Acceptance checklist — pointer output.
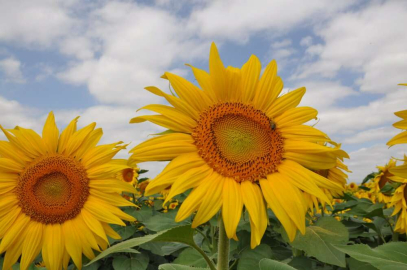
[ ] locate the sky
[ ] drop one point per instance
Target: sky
(94, 58)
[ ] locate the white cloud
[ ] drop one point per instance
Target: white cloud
(281, 44)
(375, 134)
(364, 161)
(237, 20)
(26, 22)
(11, 69)
(137, 44)
(306, 41)
(376, 113)
(370, 40)
(321, 95)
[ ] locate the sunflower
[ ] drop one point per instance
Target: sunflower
(402, 137)
(58, 194)
(337, 175)
(399, 201)
(130, 174)
(236, 143)
(383, 177)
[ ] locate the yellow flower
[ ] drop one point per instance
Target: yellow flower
(58, 194)
(238, 142)
(399, 200)
(353, 187)
(129, 175)
(380, 180)
(402, 137)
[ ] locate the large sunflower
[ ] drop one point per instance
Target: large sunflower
(235, 142)
(58, 194)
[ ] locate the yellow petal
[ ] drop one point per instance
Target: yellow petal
(290, 198)
(398, 139)
(268, 88)
(8, 165)
(303, 133)
(179, 104)
(253, 201)
(233, 81)
(189, 179)
(54, 246)
(102, 214)
(315, 161)
(50, 134)
(77, 139)
(285, 102)
(89, 143)
(296, 116)
(400, 171)
(7, 150)
(204, 80)
(162, 121)
(232, 206)
(274, 204)
(173, 170)
(93, 224)
(250, 77)
(217, 73)
(189, 92)
(172, 114)
(66, 135)
(401, 114)
(19, 225)
(165, 147)
(32, 243)
(194, 199)
(212, 201)
(301, 179)
(73, 243)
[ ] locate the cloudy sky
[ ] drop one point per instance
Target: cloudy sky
(94, 58)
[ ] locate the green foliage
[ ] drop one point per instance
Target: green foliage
(251, 258)
(267, 264)
(319, 239)
(391, 256)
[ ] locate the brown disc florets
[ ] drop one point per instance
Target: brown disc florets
(238, 141)
(53, 189)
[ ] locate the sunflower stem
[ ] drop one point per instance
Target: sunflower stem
(223, 246)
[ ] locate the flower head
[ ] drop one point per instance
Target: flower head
(58, 194)
(237, 141)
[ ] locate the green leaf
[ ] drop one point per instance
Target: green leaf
(318, 240)
(267, 264)
(168, 266)
(190, 257)
(250, 258)
(139, 262)
(301, 263)
(369, 176)
(357, 265)
(163, 221)
(182, 234)
(162, 248)
(124, 231)
(390, 256)
(365, 208)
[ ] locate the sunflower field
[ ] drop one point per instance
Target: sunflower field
(249, 185)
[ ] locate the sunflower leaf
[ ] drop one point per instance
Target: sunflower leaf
(390, 256)
(180, 234)
(318, 241)
(267, 264)
(169, 266)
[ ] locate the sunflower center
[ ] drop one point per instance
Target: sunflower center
(128, 175)
(385, 178)
(53, 189)
(238, 141)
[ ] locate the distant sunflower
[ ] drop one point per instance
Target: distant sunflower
(130, 174)
(235, 143)
(58, 194)
(383, 177)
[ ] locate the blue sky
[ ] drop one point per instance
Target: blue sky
(93, 58)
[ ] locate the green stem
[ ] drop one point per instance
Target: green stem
(205, 237)
(395, 237)
(207, 259)
(223, 246)
(213, 239)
